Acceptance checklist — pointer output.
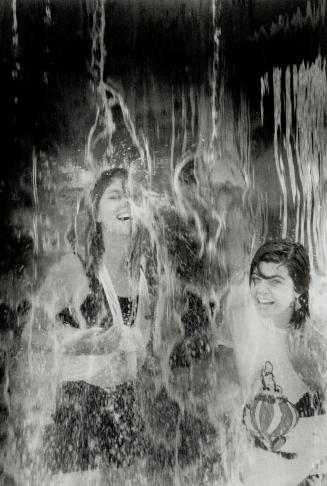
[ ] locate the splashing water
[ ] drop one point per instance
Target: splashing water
(300, 154)
(15, 49)
(109, 96)
(196, 229)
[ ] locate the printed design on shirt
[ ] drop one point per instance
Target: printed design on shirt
(270, 416)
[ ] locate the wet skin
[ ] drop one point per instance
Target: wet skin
(114, 209)
(273, 292)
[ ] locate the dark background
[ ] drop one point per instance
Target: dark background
(153, 49)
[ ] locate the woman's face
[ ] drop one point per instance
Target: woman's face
(272, 290)
(114, 209)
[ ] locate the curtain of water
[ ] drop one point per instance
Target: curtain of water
(15, 44)
(217, 87)
(300, 153)
(108, 96)
(47, 22)
(203, 240)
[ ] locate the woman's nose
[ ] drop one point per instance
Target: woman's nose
(124, 201)
(125, 205)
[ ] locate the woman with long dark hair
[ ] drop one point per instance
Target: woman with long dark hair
(98, 304)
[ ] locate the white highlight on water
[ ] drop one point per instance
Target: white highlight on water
(301, 154)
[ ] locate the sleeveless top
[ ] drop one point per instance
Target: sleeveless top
(91, 426)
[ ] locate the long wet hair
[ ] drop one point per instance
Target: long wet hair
(95, 244)
(296, 259)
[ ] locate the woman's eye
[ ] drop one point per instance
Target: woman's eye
(275, 282)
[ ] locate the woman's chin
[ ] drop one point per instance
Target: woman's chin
(122, 229)
(265, 310)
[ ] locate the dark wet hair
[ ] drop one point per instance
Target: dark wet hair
(94, 250)
(296, 259)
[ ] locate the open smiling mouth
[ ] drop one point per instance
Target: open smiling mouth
(264, 302)
(124, 217)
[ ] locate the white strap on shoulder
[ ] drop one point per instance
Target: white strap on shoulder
(143, 301)
(111, 296)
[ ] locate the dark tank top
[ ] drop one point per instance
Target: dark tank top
(95, 308)
(93, 427)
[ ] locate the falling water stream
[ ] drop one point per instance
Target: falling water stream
(196, 191)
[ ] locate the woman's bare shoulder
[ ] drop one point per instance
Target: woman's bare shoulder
(69, 267)
(65, 276)
(69, 262)
(308, 349)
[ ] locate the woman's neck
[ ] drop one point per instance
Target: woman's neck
(282, 320)
(115, 258)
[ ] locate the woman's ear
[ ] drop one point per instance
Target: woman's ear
(98, 216)
(297, 304)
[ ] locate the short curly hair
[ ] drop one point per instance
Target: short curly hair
(296, 259)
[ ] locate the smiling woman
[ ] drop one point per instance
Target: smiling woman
(273, 293)
(279, 282)
(110, 234)
(91, 330)
(114, 209)
(281, 367)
